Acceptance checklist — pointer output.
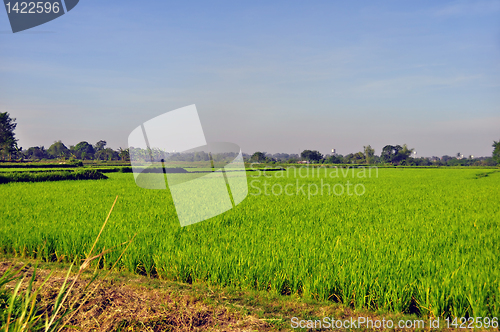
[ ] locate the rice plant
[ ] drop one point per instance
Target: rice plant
(423, 241)
(19, 309)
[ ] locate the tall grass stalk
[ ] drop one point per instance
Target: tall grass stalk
(21, 312)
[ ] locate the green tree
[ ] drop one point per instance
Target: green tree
(334, 159)
(83, 150)
(8, 142)
(369, 154)
(348, 159)
(201, 156)
(388, 153)
(259, 157)
(496, 151)
(446, 158)
(58, 150)
(125, 154)
(395, 154)
(36, 152)
(313, 156)
(106, 154)
(101, 145)
(403, 154)
(354, 158)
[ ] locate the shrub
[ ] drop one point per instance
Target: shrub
(51, 176)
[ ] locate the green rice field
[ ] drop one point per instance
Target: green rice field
(423, 241)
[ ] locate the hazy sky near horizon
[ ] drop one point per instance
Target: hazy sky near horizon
(274, 76)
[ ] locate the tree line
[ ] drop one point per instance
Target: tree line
(390, 154)
(80, 151)
(10, 151)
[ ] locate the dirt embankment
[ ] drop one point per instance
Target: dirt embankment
(131, 303)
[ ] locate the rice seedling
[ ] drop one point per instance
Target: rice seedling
(19, 310)
(421, 241)
(50, 176)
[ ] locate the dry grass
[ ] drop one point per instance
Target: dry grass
(128, 302)
(129, 305)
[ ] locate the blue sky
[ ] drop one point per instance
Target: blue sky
(275, 76)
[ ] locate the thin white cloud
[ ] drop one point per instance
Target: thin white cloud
(395, 86)
(460, 8)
